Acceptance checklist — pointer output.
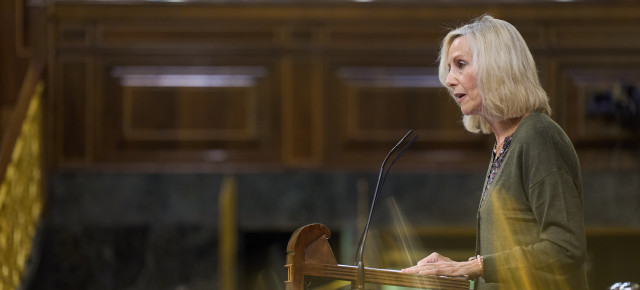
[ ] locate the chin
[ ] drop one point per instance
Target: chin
(467, 113)
(474, 111)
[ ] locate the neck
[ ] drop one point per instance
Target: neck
(502, 129)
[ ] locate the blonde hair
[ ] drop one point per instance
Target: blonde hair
(505, 71)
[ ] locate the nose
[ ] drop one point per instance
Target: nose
(451, 80)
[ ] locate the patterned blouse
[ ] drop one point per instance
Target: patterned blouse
(495, 165)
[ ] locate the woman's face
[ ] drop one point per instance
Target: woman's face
(462, 77)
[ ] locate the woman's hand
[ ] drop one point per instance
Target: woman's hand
(438, 265)
(433, 258)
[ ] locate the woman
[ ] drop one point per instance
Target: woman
(530, 218)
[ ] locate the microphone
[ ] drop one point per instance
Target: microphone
(381, 178)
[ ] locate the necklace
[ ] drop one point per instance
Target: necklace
(500, 141)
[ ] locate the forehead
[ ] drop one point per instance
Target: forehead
(459, 47)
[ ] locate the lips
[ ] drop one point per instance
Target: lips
(459, 96)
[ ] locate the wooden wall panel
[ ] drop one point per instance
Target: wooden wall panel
(372, 107)
(602, 36)
(599, 107)
(181, 113)
(328, 85)
(189, 114)
(380, 102)
(385, 35)
(205, 112)
(582, 79)
(74, 35)
(596, 91)
(157, 35)
(302, 109)
(14, 57)
(73, 113)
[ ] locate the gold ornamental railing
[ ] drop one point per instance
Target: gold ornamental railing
(21, 198)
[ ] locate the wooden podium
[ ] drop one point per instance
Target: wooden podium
(309, 254)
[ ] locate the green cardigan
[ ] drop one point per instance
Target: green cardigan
(531, 223)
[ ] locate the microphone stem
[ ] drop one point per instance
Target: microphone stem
(382, 175)
(360, 254)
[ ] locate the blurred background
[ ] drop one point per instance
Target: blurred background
(178, 144)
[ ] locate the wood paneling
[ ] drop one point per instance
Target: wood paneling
(302, 107)
(72, 87)
(13, 61)
(210, 113)
(313, 85)
(375, 106)
(601, 36)
(159, 35)
(596, 106)
(74, 36)
(188, 103)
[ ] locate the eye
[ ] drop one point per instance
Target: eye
(461, 64)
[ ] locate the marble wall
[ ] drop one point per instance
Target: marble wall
(160, 231)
